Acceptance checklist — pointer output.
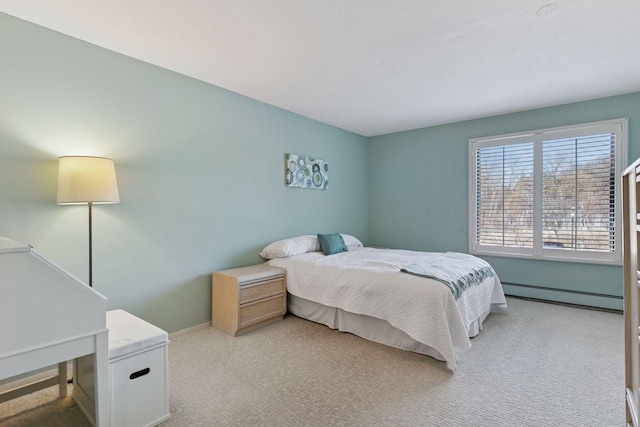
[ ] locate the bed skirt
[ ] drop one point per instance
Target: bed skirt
(368, 327)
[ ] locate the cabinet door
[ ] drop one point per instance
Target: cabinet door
(138, 389)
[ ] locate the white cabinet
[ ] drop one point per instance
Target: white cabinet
(139, 388)
(138, 372)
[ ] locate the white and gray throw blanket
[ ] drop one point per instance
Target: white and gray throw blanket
(457, 270)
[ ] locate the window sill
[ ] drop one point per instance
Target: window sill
(577, 259)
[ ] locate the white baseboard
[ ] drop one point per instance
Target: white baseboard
(188, 330)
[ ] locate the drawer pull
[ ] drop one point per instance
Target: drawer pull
(139, 373)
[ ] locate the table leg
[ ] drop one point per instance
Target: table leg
(100, 369)
(62, 378)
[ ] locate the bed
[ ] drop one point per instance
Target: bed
(363, 291)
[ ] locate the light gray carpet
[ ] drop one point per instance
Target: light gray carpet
(534, 364)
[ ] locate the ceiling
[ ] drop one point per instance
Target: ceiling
(373, 66)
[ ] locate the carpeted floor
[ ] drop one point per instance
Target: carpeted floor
(534, 364)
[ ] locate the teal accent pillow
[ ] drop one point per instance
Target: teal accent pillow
(332, 243)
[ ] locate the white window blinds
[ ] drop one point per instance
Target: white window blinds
(504, 182)
(548, 194)
(579, 186)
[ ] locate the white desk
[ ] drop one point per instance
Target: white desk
(49, 317)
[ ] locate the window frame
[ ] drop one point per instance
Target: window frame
(538, 251)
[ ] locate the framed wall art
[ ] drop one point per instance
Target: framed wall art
(306, 172)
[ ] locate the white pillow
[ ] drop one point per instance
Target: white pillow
(301, 245)
(351, 241)
(290, 247)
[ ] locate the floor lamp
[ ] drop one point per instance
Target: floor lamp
(87, 180)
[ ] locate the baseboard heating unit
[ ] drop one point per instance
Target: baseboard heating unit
(565, 296)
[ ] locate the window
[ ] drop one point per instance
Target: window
(549, 194)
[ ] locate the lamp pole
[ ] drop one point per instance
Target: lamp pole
(90, 248)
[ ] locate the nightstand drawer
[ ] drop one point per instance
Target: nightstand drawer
(261, 290)
(261, 310)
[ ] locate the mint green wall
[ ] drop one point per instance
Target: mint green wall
(201, 174)
(418, 191)
(200, 171)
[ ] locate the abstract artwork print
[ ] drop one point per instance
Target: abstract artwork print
(306, 172)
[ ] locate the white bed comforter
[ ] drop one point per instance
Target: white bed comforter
(368, 281)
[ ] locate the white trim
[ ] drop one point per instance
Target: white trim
(619, 126)
(189, 330)
(623, 120)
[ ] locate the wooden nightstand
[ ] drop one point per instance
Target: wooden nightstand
(247, 298)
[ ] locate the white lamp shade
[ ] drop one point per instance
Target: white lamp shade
(84, 179)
